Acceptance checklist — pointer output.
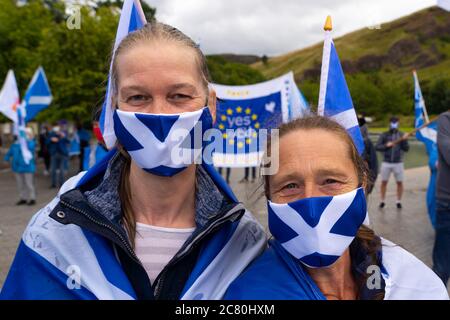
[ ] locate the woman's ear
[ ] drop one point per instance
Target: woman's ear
(212, 103)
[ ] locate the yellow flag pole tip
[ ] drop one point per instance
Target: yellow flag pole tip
(328, 26)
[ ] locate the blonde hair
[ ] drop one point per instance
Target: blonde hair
(151, 32)
(157, 31)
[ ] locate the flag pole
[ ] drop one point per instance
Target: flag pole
(407, 135)
(328, 27)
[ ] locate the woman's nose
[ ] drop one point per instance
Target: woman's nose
(312, 190)
(160, 106)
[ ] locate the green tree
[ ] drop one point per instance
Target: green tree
(232, 73)
(76, 61)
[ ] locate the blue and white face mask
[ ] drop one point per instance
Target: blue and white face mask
(394, 125)
(162, 144)
(318, 230)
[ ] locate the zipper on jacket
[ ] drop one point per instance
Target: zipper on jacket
(160, 279)
(122, 239)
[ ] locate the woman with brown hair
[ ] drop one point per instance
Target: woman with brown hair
(148, 221)
(321, 248)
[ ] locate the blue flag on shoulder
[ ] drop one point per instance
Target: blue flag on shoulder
(334, 98)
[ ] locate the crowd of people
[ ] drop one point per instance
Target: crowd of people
(56, 145)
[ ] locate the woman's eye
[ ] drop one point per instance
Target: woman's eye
(289, 190)
(332, 182)
(137, 98)
(180, 96)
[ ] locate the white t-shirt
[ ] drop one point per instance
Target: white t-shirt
(156, 246)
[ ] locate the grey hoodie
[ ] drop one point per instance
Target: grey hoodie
(443, 142)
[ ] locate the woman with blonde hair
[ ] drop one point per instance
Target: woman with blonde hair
(142, 224)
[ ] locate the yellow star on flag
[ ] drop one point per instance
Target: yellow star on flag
(223, 117)
(238, 109)
(224, 135)
(248, 111)
(254, 135)
(248, 141)
(240, 144)
(257, 125)
(221, 126)
(229, 112)
(254, 116)
(231, 141)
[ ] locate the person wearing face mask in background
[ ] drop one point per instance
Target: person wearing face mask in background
(393, 144)
(23, 171)
(58, 148)
(148, 221)
(322, 247)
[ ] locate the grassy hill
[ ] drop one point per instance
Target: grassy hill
(378, 64)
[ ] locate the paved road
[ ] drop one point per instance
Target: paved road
(409, 227)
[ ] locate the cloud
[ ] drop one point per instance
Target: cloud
(274, 27)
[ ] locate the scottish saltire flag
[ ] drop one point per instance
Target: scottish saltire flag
(334, 98)
(9, 97)
(242, 111)
(38, 95)
(11, 107)
(65, 261)
(317, 230)
(428, 135)
(132, 18)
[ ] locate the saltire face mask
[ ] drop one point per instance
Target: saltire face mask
(318, 230)
(163, 144)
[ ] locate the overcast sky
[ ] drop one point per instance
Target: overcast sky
(274, 27)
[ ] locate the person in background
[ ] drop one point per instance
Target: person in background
(58, 144)
(43, 148)
(227, 173)
(23, 171)
(97, 149)
(84, 137)
(247, 172)
(441, 250)
(369, 155)
(393, 144)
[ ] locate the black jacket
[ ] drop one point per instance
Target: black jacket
(392, 154)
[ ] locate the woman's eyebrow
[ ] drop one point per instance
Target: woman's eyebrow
(183, 86)
(284, 177)
(132, 88)
(332, 172)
